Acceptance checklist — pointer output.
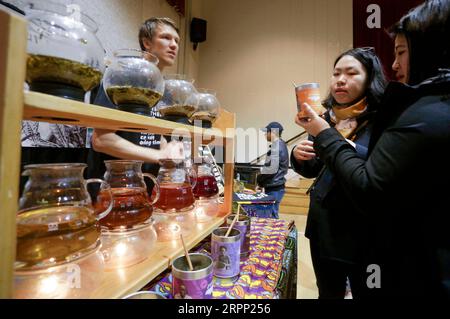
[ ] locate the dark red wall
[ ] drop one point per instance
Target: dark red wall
(391, 12)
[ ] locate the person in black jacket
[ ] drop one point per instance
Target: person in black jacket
(336, 239)
(272, 177)
(402, 187)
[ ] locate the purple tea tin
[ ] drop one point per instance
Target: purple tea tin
(243, 225)
(225, 252)
(196, 284)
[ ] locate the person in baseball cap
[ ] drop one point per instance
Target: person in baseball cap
(273, 126)
(272, 177)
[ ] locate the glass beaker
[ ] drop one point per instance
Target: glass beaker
(56, 222)
(131, 202)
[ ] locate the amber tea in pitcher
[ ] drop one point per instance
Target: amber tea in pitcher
(56, 222)
(131, 203)
(131, 206)
(175, 197)
(55, 234)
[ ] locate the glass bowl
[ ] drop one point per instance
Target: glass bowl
(127, 247)
(77, 279)
(133, 78)
(170, 226)
(65, 57)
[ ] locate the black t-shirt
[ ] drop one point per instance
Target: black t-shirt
(96, 160)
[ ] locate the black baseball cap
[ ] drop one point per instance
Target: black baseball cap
(273, 126)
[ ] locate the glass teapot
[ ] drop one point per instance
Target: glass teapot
(133, 79)
(56, 222)
(208, 108)
(176, 182)
(180, 99)
(65, 57)
(131, 203)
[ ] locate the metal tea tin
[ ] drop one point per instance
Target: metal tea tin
(309, 93)
(243, 225)
(196, 284)
(226, 252)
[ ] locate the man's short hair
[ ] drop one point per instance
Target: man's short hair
(148, 28)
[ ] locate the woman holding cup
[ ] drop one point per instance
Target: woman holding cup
(336, 235)
(402, 186)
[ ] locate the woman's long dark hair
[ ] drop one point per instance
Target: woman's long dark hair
(427, 30)
(376, 79)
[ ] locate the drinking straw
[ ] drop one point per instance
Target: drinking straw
(234, 221)
(295, 85)
(186, 254)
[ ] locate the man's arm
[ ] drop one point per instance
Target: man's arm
(108, 142)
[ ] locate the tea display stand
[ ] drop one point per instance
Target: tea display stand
(17, 105)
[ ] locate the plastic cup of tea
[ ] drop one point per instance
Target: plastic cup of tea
(309, 93)
(243, 224)
(192, 284)
(226, 252)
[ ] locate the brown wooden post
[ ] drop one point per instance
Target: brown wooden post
(13, 40)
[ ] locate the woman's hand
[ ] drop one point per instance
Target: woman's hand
(310, 121)
(304, 151)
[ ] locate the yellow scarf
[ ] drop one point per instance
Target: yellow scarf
(345, 118)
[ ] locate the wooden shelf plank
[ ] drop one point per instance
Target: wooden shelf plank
(47, 108)
(121, 282)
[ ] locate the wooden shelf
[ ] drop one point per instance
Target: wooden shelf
(17, 105)
(47, 108)
(121, 282)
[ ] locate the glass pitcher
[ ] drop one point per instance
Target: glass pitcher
(206, 191)
(176, 182)
(56, 222)
(65, 57)
(133, 79)
(206, 186)
(131, 203)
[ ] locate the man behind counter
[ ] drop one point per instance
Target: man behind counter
(158, 36)
(272, 177)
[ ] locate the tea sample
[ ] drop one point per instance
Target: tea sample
(42, 68)
(131, 207)
(175, 197)
(51, 235)
(203, 116)
(206, 186)
(185, 110)
(120, 95)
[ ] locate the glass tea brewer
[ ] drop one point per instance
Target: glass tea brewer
(128, 233)
(133, 81)
(208, 108)
(134, 84)
(180, 99)
(57, 229)
(65, 57)
(174, 210)
(206, 191)
(131, 203)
